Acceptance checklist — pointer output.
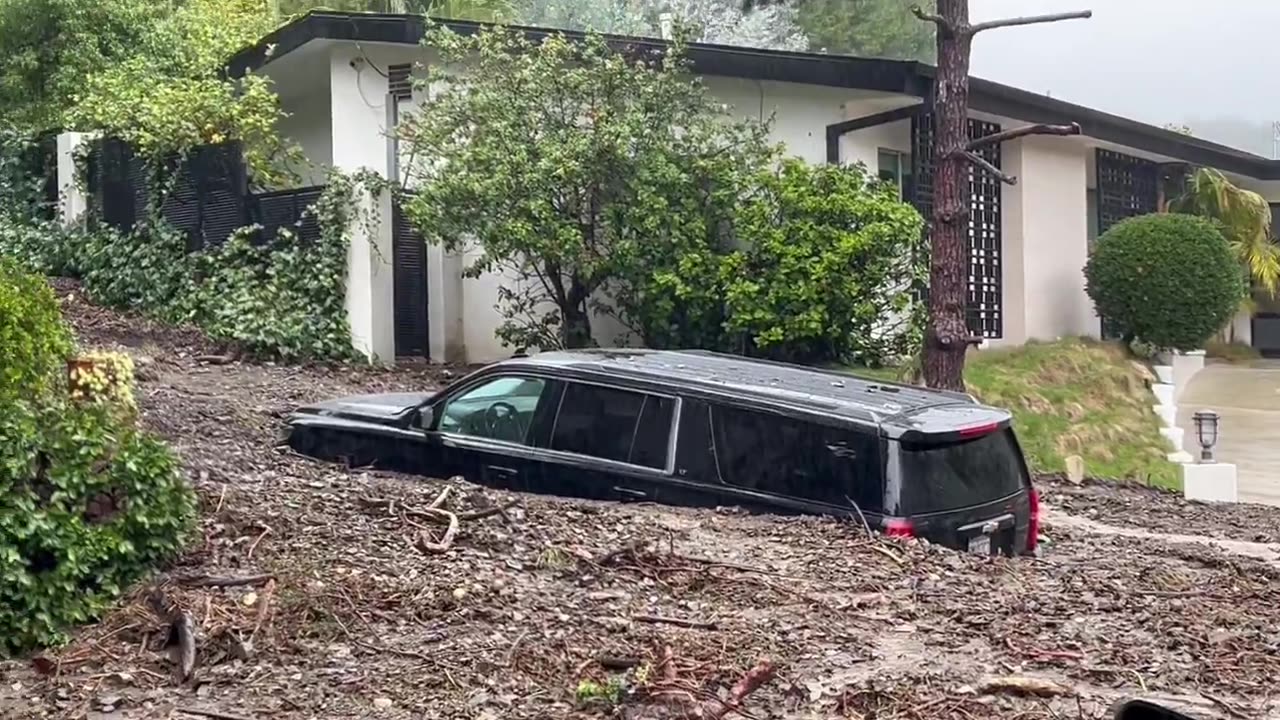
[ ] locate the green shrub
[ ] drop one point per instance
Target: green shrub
(34, 341)
(1170, 280)
(87, 502)
(41, 247)
(86, 507)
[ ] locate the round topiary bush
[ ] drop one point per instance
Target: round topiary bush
(1169, 280)
(88, 503)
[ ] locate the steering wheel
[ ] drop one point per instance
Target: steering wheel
(501, 419)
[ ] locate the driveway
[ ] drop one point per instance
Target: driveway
(1248, 399)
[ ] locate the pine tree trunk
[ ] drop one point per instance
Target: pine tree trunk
(947, 335)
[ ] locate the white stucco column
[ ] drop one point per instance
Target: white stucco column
(358, 106)
(72, 201)
(1046, 240)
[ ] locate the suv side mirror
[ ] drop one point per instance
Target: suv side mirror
(426, 416)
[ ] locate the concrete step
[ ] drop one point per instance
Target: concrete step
(1182, 457)
(1164, 373)
(1168, 414)
(1163, 393)
(1174, 435)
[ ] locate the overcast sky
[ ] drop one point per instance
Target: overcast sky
(1158, 61)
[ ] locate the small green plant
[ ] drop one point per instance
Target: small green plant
(34, 341)
(1170, 280)
(609, 694)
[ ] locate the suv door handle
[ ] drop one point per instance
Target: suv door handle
(630, 494)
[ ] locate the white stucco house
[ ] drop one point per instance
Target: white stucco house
(344, 80)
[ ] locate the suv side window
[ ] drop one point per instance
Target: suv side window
(785, 456)
(501, 409)
(614, 424)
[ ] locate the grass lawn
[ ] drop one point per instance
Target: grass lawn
(1074, 397)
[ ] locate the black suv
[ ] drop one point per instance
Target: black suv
(695, 428)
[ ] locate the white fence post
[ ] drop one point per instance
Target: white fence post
(72, 201)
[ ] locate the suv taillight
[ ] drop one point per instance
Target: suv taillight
(1033, 523)
(899, 527)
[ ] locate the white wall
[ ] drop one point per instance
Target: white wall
(1045, 229)
(800, 113)
(310, 125)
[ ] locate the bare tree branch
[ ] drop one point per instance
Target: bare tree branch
(983, 164)
(942, 23)
(1015, 133)
(1029, 20)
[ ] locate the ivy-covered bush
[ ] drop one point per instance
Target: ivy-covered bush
(88, 503)
(1170, 280)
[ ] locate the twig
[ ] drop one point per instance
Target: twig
(763, 672)
(253, 546)
(1030, 20)
(982, 164)
(942, 23)
(221, 497)
(887, 553)
(488, 512)
(440, 499)
(264, 607)
(395, 651)
(511, 652)
(1015, 133)
(215, 359)
(215, 714)
(618, 663)
(678, 622)
(629, 549)
(1230, 708)
(865, 525)
(424, 539)
(216, 581)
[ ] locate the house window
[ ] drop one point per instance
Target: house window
(895, 169)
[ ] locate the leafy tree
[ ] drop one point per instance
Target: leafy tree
(1246, 222)
(726, 22)
(50, 46)
(868, 28)
(485, 10)
(555, 160)
(1166, 279)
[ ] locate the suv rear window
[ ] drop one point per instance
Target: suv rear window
(951, 476)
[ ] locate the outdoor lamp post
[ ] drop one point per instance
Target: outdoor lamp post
(1206, 433)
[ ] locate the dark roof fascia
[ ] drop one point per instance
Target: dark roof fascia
(894, 76)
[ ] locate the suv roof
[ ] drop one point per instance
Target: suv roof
(823, 391)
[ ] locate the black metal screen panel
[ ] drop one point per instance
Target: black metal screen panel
(984, 309)
(121, 185)
(1127, 187)
(287, 209)
(410, 278)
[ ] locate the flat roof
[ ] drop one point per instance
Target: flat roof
(844, 71)
(828, 392)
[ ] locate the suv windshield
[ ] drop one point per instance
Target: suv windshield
(950, 476)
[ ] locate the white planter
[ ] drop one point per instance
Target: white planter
(1214, 482)
(1164, 373)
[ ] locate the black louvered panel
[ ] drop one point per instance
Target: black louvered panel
(410, 277)
(984, 293)
(117, 175)
(287, 209)
(181, 206)
(221, 182)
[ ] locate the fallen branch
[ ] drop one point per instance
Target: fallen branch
(618, 663)
(223, 582)
(487, 512)
(1230, 708)
(887, 553)
(630, 548)
(763, 672)
(1027, 686)
(215, 714)
(216, 359)
(678, 622)
(439, 501)
(425, 543)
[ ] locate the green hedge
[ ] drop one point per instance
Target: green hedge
(88, 503)
(1169, 280)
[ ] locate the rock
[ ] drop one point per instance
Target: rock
(382, 703)
(1075, 469)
